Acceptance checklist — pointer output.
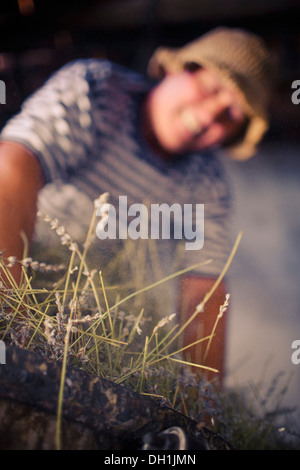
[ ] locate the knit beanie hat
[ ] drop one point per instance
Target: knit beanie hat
(240, 59)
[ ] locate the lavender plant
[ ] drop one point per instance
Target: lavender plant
(78, 319)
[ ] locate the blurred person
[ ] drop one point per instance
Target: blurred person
(101, 127)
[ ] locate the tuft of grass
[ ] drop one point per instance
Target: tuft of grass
(68, 312)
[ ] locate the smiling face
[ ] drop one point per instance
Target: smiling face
(191, 111)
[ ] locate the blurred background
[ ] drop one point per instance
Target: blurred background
(39, 36)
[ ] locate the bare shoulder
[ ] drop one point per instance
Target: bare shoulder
(16, 159)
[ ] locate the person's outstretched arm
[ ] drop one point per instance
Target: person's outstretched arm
(21, 179)
(192, 291)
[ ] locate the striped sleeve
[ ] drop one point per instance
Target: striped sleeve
(55, 122)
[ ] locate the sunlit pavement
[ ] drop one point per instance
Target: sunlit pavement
(264, 277)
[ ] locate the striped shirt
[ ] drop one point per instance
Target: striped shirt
(83, 125)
